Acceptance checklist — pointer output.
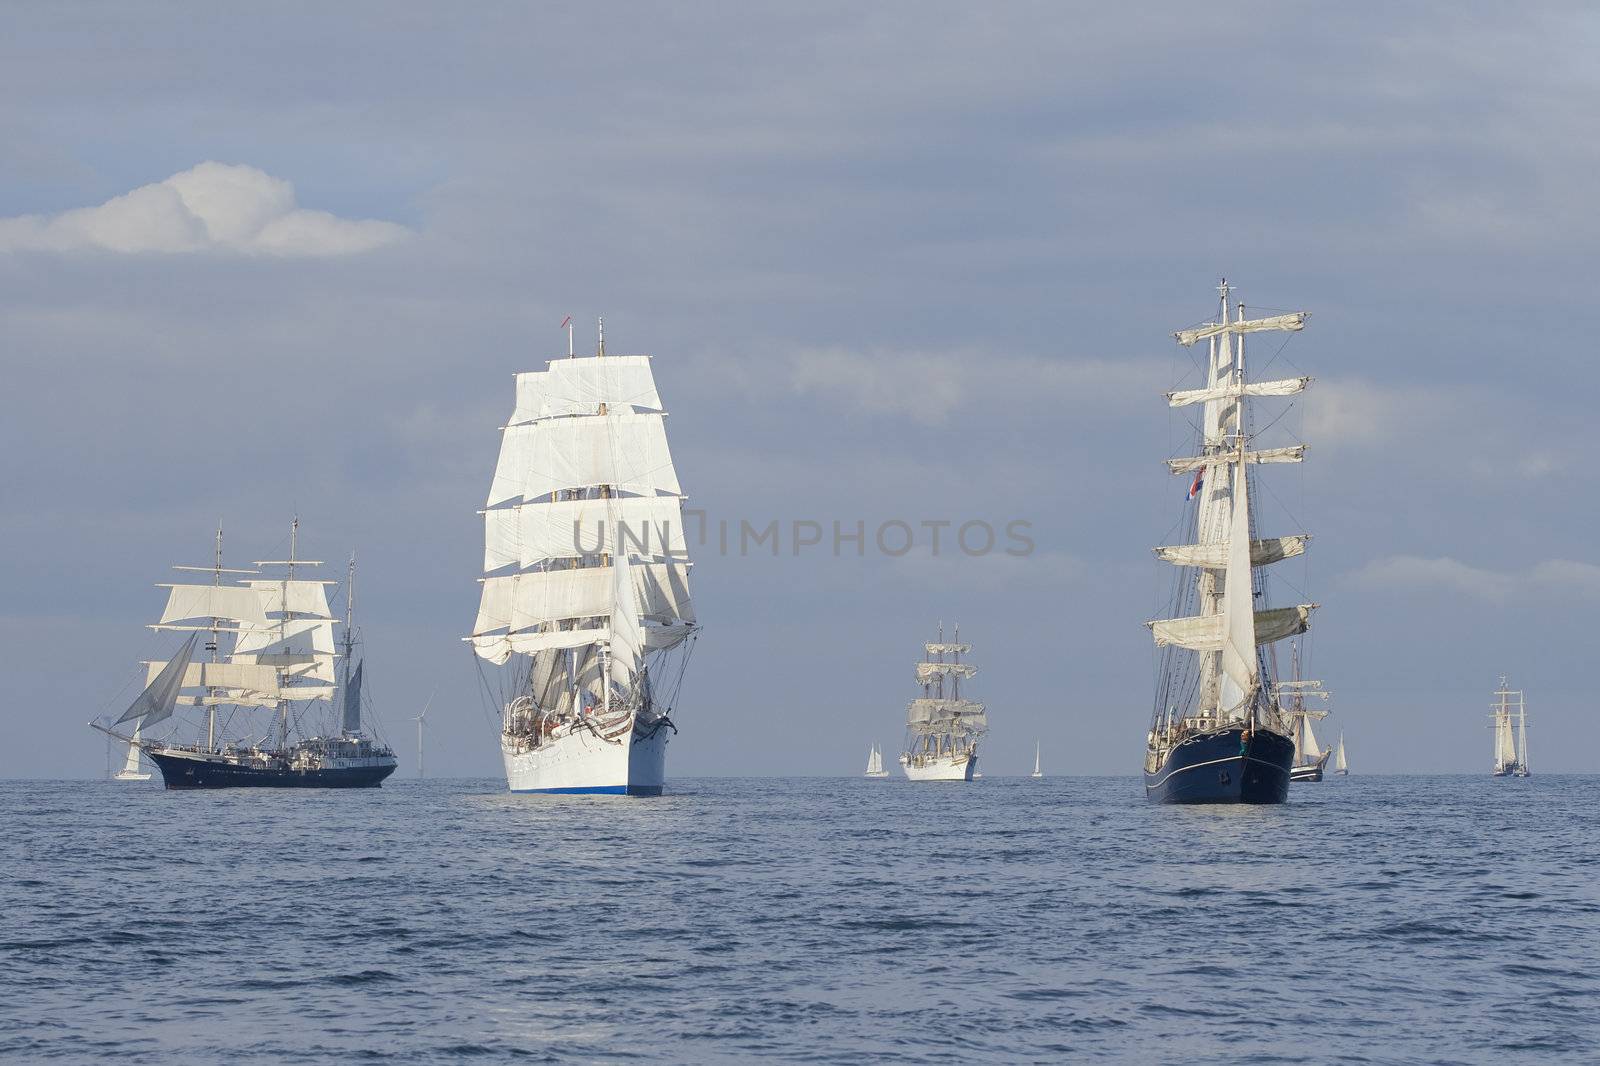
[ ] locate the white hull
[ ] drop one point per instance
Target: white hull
(877, 773)
(940, 767)
(130, 775)
(581, 764)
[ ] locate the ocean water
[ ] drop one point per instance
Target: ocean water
(1373, 919)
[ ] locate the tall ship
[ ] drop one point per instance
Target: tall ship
(585, 614)
(1309, 756)
(1218, 733)
(263, 703)
(1509, 720)
(942, 726)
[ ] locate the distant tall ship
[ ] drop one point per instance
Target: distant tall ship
(1309, 758)
(1217, 733)
(942, 728)
(875, 763)
(585, 596)
(1510, 748)
(279, 659)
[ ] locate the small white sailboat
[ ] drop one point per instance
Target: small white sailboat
(1340, 767)
(132, 770)
(1036, 771)
(875, 763)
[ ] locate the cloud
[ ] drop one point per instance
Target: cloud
(213, 207)
(929, 387)
(1552, 576)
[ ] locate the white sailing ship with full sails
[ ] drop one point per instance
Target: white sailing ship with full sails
(942, 727)
(1509, 719)
(875, 763)
(585, 596)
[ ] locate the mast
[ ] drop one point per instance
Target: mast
(1226, 631)
(349, 645)
(211, 646)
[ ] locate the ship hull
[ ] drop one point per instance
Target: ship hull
(941, 768)
(189, 770)
(582, 764)
(1311, 771)
(1218, 767)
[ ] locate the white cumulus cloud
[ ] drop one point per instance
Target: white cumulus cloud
(208, 208)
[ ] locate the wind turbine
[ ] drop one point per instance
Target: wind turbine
(421, 720)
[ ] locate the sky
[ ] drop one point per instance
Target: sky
(894, 262)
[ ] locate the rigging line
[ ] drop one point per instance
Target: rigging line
(1275, 421)
(1281, 346)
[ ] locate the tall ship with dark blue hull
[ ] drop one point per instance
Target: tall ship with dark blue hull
(1228, 765)
(271, 704)
(186, 769)
(1218, 732)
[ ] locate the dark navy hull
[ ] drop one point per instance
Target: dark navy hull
(1218, 767)
(181, 771)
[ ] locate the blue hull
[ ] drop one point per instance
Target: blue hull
(178, 772)
(1217, 767)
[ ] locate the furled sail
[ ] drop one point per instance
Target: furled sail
(1292, 322)
(1215, 556)
(927, 672)
(1282, 387)
(946, 648)
(1293, 454)
(160, 695)
(1205, 633)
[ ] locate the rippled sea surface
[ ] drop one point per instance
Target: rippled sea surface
(1379, 919)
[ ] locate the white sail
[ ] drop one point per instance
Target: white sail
(160, 694)
(252, 677)
(1307, 745)
(305, 598)
(1290, 322)
(1037, 772)
(301, 647)
(1293, 454)
(626, 648)
(927, 672)
(579, 386)
(1238, 600)
(1283, 387)
(1205, 632)
(522, 602)
(627, 452)
(130, 768)
(528, 534)
(1338, 756)
(240, 603)
(1215, 556)
(946, 648)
